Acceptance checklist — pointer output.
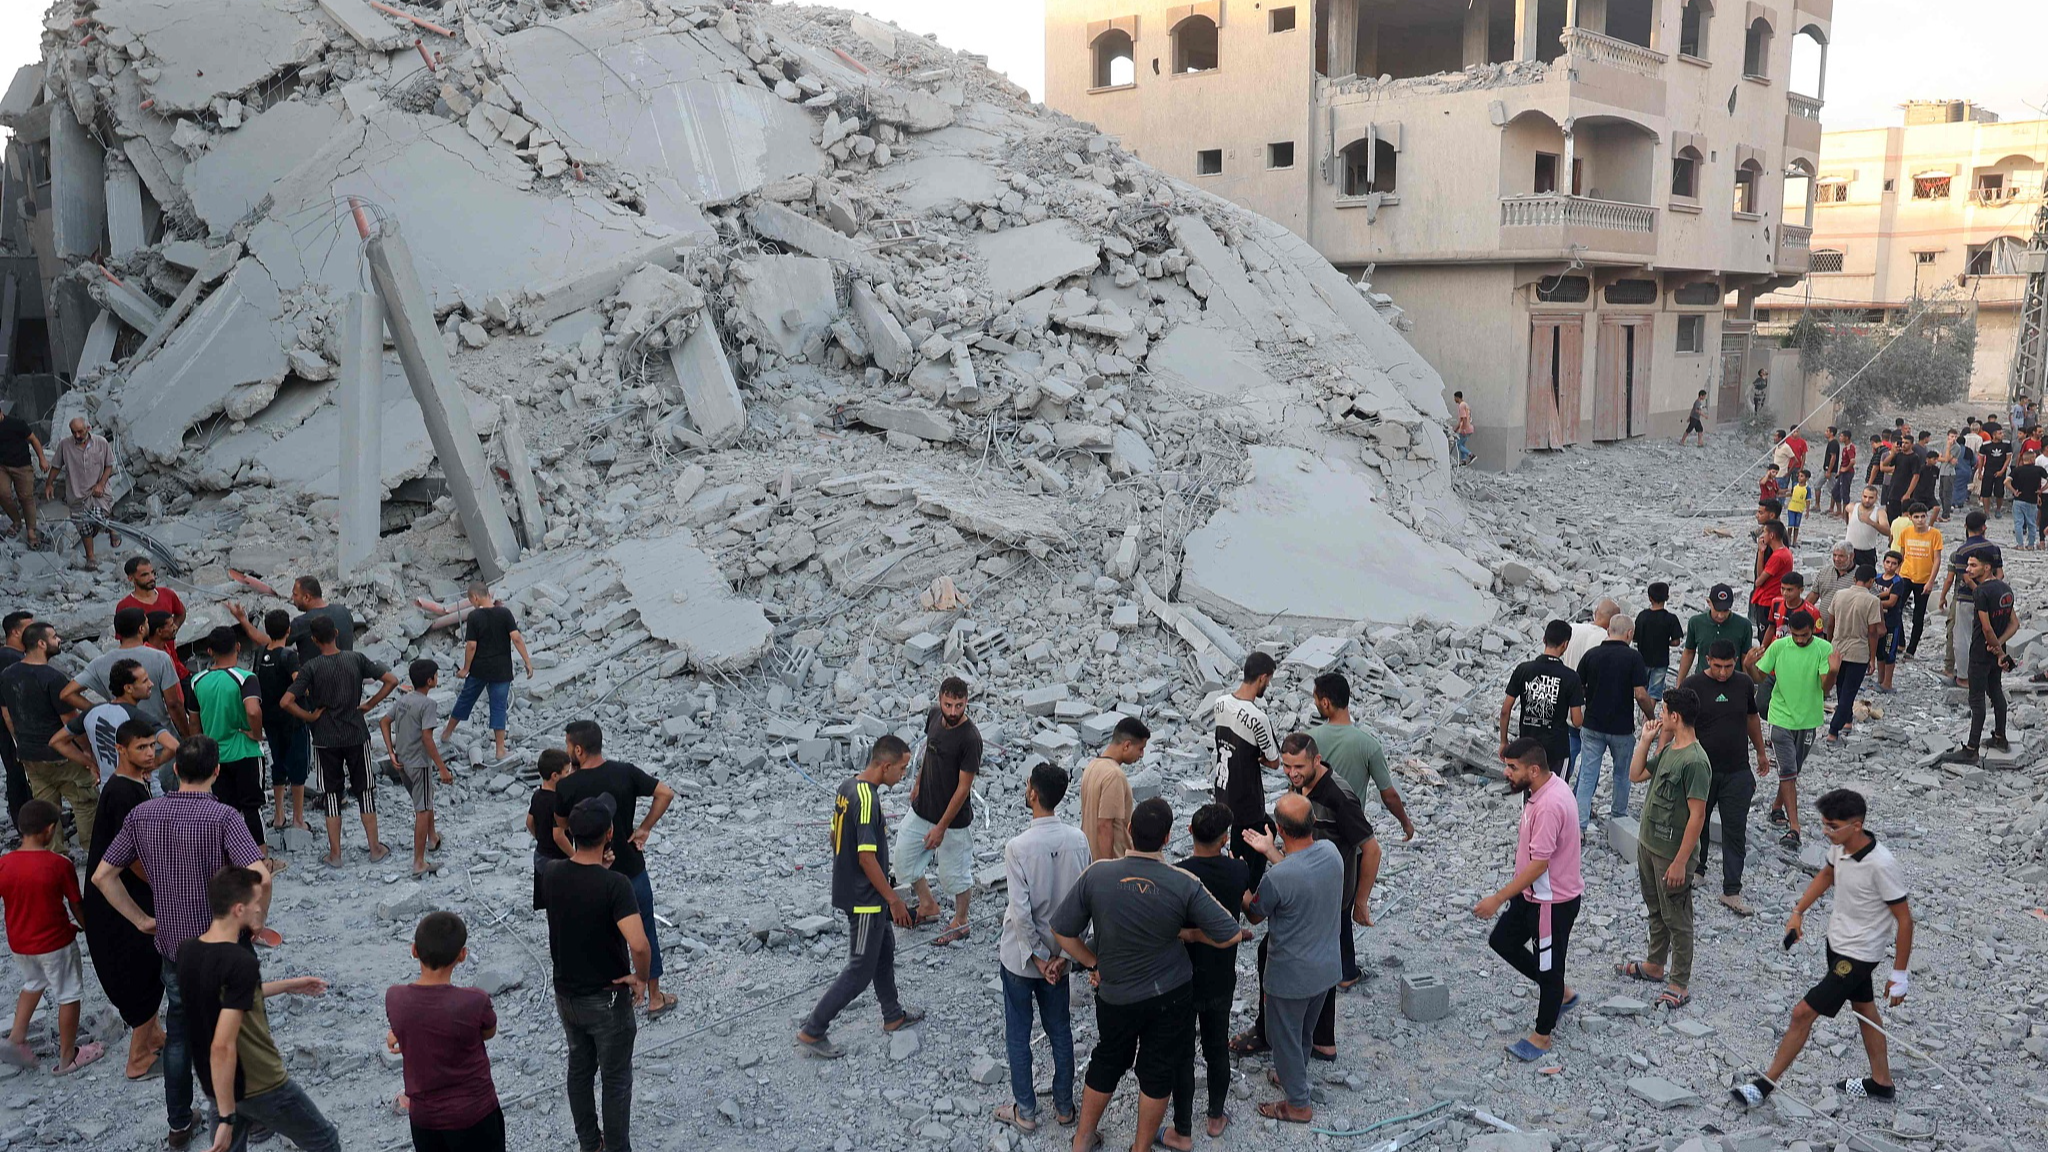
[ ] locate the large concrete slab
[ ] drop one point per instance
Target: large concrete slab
(227, 357)
(929, 181)
(795, 230)
(1020, 261)
(1306, 540)
(789, 299)
(78, 188)
(21, 93)
(1229, 295)
(620, 90)
(683, 598)
(365, 24)
(474, 229)
(887, 342)
(234, 175)
(218, 48)
(126, 232)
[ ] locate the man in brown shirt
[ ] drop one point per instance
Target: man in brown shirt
(1106, 799)
(87, 462)
(1855, 625)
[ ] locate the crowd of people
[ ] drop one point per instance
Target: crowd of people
(151, 776)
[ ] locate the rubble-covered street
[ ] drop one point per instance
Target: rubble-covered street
(776, 363)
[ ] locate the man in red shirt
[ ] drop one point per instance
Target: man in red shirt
(1797, 443)
(1773, 561)
(146, 595)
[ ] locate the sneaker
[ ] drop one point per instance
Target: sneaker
(1962, 755)
(1864, 1088)
(1736, 904)
(823, 1048)
(1998, 744)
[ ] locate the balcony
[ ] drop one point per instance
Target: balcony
(1802, 126)
(1586, 44)
(1999, 197)
(1552, 223)
(1806, 106)
(1795, 245)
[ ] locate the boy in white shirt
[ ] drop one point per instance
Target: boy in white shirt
(1870, 908)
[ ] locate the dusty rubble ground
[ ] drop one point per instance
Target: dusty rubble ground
(736, 868)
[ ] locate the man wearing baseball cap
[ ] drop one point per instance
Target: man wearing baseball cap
(1718, 622)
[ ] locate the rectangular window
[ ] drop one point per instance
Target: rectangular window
(1825, 260)
(1280, 155)
(1930, 187)
(1209, 162)
(1546, 172)
(1924, 257)
(1832, 191)
(1692, 333)
(1280, 20)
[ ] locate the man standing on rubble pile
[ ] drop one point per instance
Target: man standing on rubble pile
(1616, 684)
(328, 698)
(1354, 753)
(863, 892)
(87, 462)
(1106, 797)
(490, 635)
(1542, 899)
(1301, 900)
(1245, 748)
(625, 784)
(1718, 622)
(1552, 699)
(938, 833)
(17, 475)
(1730, 723)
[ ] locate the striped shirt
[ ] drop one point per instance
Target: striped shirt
(181, 839)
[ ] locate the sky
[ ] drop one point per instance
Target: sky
(1885, 51)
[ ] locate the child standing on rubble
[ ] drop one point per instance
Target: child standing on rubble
(1796, 502)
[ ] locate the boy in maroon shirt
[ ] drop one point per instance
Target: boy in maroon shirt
(37, 885)
(440, 1030)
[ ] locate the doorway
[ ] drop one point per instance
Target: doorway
(1621, 378)
(1556, 344)
(1734, 354)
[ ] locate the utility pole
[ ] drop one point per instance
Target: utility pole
(2030, 353)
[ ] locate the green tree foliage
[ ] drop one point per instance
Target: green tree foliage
(1920, 357)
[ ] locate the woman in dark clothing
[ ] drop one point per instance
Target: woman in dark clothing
(126, 960)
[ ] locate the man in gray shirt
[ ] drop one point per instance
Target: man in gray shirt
(1144, 1007)
(1301, 899)
(165, 703)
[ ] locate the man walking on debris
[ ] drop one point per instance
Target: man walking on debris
(864, 894)
(1215, 983)
(1106, 798)
(1354, 754)
(1870, 906)
(1552, 699)
(600, 956)
(1040, 864)
(1301, 900)
(1245, 748)
(1718, 622)
(1542, 898)
(625, 784)
(1804, 667)
(938, 834)
(1674, 824)
(328, 698)
(1696, 421)
(1728, 726)
(1616, 684)
(1855, 628)
(489, 636)
(1962, 605)
(1989, 661)
(1140, 908)
(87, 462)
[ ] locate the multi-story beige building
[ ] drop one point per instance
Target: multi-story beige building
(1947, 200)
(1560, 193)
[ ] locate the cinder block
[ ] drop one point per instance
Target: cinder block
(1041, 700)
(1425, 998)
(923, 647)
(1621, 835)
(1097, 728)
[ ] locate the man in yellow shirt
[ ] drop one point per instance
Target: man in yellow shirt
(1920, 544)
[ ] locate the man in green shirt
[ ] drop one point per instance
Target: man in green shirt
(1353, 752)
(1806, 667)
(1718, 622)
(1679, 775)
(230, 705)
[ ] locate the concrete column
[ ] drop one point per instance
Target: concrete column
(1812, 187)
(359, 392)
(1343, 46)
(1477, 17)
(1822, 83)
(533, 517)
(126, 232)
(1564, 178)
(410, 314)
(1527, 12)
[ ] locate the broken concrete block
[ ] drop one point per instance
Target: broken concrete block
(924, 424)
(363, 24)
(711, 395)
(909, 109)
(888, 344)
(1096, 729)
(806, 235)
(1318, 654)
(789, 299)
(1622, 836)
(1662, 1093)
(1020, 261)
(1424, 997)
(235, 339)
(683, 598)
(878, 35)
(1040, 701)
(924, 647)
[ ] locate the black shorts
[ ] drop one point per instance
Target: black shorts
(1847, 982)
(1990, 486)
(1157, 1034)
(1692, 424)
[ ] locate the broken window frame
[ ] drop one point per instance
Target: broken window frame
(1378, 175)
(1181, 50)
(1697, 323)
(1701, 14)
(1933, 186)
(1998, 256)
(1102, 64)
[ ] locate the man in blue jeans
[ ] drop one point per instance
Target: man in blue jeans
(1615, 678)
(601, 959)
(489, 637)
(624, 784)
(1041, 863)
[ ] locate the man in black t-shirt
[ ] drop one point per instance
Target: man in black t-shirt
(291, 745)
(1227, 879)
(601, 960)
(624, 784)
(1658, 630)
(1996, 623)
(1552, 699)
(1992, 461)
(312, 605)
(2024, 480)
(1729, 725)
(17, 477)
(938, 833)
(862, 891)
(489, 636)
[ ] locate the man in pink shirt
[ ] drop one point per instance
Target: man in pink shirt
(1542, 899)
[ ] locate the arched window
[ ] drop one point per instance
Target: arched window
(1194, 45)
(1809, 62)
(1692, 28)
(1115, 61)
(1685, 173)
(1747, 177)
(1756, 49)
(1380, 176)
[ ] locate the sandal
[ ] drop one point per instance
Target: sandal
(1218, 1133)
(1007, 1114)
(951, 936)
(662, 1007)
(1674, 1000)
(1277, 1110)
(911, 1016)
(1248, 1044)
(86, 1054)
(1069, 1120)
(1633, 969)
(379, 853)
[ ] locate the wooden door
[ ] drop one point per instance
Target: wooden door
(1728, 405)
(1621, 378)
(1555, 361)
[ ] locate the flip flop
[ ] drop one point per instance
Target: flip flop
(1574, 1002)
(1633, 969)
(1246, 1044)
(1069, 1120)
(1271, 1110)
(910, 1017)
(18, 1055)
(1007, 1114)
(1526, 1052)
(951, 936)
(1226, 1126)
(668, 1003)
(380, 853)
(86, 1054)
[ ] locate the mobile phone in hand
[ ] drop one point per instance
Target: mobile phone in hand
(1791, 938)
